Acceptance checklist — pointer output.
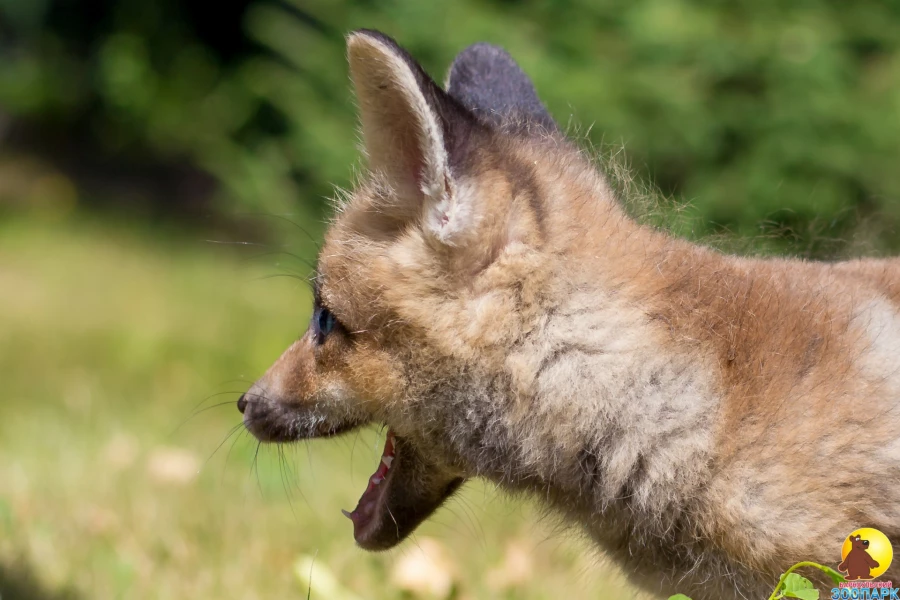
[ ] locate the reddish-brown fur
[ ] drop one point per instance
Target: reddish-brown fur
(708, 419)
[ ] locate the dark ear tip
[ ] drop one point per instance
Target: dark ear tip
(485, 48)
(483, 53)
(490, 83)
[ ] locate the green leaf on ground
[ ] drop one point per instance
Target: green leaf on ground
(797, 586)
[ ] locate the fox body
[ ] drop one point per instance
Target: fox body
(707, 419)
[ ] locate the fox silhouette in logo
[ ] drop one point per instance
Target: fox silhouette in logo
(858, 563)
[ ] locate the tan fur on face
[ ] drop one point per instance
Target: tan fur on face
(708, 419)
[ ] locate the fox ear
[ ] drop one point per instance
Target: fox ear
(413, 132)
(488, 82)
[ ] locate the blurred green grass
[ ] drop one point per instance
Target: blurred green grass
(121, 355)
(767, 117)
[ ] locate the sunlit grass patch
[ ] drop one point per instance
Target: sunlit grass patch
(121, 358)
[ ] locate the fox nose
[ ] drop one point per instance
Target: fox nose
(242, 403)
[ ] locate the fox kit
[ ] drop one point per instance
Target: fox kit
(708, 420)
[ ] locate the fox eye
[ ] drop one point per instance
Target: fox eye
(324, 322)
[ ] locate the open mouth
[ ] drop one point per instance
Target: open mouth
(402, 492)
(371, 506)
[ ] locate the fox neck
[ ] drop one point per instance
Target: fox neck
(602, 410)
(629, 413)
(593, 401)
(566, 380)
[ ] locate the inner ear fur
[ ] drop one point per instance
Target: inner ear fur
(438, 160)
(413, 132)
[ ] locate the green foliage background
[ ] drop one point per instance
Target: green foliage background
(125, 338)
(766, 117)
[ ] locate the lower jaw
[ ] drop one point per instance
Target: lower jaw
(369, 510)
(391, 508)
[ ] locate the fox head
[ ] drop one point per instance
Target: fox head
(444, 261)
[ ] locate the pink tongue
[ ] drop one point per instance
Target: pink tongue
(365, 509)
